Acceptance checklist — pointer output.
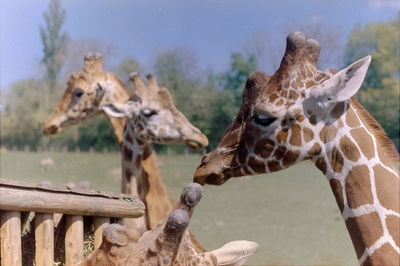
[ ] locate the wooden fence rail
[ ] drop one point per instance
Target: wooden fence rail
(46, 200)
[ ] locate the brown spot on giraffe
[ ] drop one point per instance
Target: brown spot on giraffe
(328, 133)
(282, 136)
(387, 188)
(127, 153)
(338, 110)
(256, 165)
(300, 118)
(385, 255)
(274, 166)
(308, 134)
(313, 119)
(337, 191)
(315, 150)
(286, 85)
(284, 93)
(280, 102)
(273, 97)
(293, 95)
(263, 148)
(295, 137)
(290, 157)
(364, 141)
(321, 165)
(310, 83)
(335, 160)
(351, 118)
(364, 234)
(279, 152)
(393, 225)
(358, 187)
(350, 151)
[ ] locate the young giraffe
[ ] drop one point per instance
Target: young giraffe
(168, 243)
(151, 117)
(303, 113)
(92, 87)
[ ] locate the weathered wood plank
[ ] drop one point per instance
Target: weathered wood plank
(99, 223)
(23, 199)
(10, 234)
(74, 240)
(44, 239)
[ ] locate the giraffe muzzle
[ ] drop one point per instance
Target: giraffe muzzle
(51, 130)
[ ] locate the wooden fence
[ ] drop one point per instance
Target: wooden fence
(46, 200)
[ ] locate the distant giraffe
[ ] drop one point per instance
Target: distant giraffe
(151, 117)
(92, 87)
(302, 113)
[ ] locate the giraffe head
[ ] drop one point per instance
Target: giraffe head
(284, 118)
(167, 244)
(86, 91)
(153, 117)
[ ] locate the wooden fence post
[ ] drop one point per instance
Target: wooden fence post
(11, 238)
(99, 223)
(44, 239)
(74, 240)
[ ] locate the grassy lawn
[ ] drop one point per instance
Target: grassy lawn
(291, 214)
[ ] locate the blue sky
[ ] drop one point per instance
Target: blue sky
(211, 29)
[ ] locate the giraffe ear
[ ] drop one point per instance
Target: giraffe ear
(235, 253)
(116, 110)
(342, 85)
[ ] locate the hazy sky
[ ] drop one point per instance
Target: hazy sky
(211, 29)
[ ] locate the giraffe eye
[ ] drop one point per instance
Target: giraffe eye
(78, 93)
(148, 112)
(263, 120)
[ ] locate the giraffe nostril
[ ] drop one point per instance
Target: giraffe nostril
(53, 129)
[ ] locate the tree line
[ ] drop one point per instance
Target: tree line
(208, 99)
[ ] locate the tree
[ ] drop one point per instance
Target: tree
(127, 66)
(380, 91)
(235, 78)
(53, 41)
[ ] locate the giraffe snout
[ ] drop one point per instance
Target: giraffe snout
(51, 129)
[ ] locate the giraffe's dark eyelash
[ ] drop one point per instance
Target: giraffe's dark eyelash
(264, 121)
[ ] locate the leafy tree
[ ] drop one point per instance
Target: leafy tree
(53, 41)
(235, 79)
(23, 117)
(380, 91)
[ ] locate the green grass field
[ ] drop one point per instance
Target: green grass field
(291, 214)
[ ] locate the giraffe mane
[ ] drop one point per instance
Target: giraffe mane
(380, 135)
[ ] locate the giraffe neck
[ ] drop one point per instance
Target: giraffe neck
(366, 188)
(141, 176)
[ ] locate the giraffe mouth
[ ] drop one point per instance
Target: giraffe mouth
(51, 130)
(198, 142)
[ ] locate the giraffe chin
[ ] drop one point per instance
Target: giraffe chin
(51, 130)
(211, 179)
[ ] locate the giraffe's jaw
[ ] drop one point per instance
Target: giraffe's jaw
(197, 142)
(215, 169)
(51, 129)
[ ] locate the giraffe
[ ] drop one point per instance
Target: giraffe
(151, 117)
(302, 113)
(168, 243)
(87, 90)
